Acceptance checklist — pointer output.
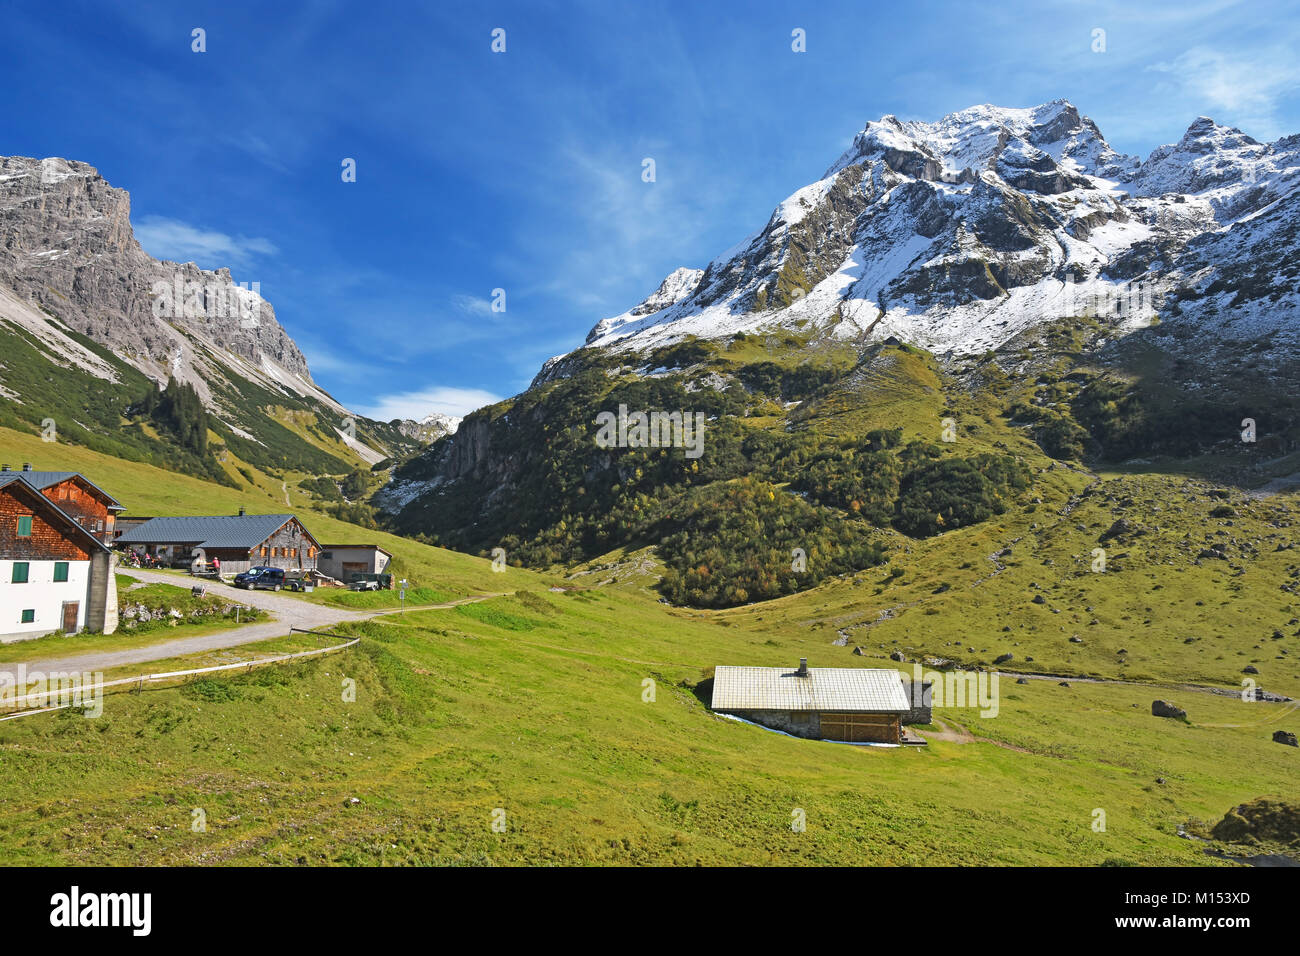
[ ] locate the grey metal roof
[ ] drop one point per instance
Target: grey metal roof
(219, 531)
(824, 689)
(40, 480)
(14, 478)
(356, 547)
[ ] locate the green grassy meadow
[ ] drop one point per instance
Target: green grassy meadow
(536, 703)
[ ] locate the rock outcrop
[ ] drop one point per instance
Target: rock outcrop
(961, 234)
(68, 253)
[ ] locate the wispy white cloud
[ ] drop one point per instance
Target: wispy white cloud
(1246, 87)
(178, 241)
(472, 305)
(259, 149)
(457, 402)
(618, 228)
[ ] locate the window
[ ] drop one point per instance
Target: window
(99, 525)
(25, 526)
(29, 616)
(60, 570)
(20, 572)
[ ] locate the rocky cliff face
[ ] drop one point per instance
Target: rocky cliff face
(67, 249)
(960, 235)
(83, 300)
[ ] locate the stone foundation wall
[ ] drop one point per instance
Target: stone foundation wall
(797, 722)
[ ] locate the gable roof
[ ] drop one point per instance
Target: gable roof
(17, 486)
(824, 689)
(219, 531)
(40, 480)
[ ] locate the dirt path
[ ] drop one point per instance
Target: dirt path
(1276, 486)
(961, 735)
(289, 612)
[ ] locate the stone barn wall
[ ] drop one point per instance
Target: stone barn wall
(801, 723)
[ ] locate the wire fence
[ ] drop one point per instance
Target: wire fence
(82, 691)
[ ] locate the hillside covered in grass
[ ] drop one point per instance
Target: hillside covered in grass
(786, 463)
(536, 703)
(532, 712)
(147, 489)
(119, 411)
(819, 457)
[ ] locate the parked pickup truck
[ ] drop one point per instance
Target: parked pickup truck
(299, 581)
(359, 581)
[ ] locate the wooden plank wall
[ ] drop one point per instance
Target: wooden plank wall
(47, 543)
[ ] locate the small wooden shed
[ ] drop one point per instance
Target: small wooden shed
(859, 705)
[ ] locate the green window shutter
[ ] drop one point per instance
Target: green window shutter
(29, 617)
(60, 570)
(20, 572)
(25, 526)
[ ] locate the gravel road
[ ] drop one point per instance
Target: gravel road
(289, 612)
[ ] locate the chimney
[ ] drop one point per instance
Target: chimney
(241, 511)
(803, 668)
(27, 466)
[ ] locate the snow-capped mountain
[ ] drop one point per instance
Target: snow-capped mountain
(961, 234)
(430, 428)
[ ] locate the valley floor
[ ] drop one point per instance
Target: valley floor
(566, 720)
(536, 705)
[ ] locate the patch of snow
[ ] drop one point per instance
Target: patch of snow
(367, 454)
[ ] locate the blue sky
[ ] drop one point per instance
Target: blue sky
(522, 170)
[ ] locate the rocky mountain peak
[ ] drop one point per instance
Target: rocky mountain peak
(67, 249)
(430, 428)
(679, 284)
(962, 233)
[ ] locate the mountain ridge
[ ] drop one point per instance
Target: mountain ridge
(958, 308)
(70, 247)
(79, 294)
(960, 234)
